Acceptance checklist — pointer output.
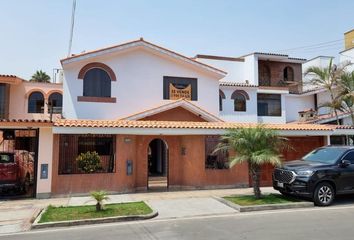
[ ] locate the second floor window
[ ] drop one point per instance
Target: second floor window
(36, 102)
(240, 97)
(97, 83)
(288, 74)
(269, 105)
(55, 103)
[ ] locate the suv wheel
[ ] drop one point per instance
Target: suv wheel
(324, 194)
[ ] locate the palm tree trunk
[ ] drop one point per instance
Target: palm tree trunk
(98, 207)
(255, 173)
(335, 110)
(351, 115)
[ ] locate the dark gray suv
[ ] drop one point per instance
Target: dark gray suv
(320, 175)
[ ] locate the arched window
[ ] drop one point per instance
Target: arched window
(55, 103)
(240, 97)
(221, 97)
(264, 75)
(97, 83)
(36, 102)
(288, 74)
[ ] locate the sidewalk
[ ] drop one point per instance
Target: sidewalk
(16, 215)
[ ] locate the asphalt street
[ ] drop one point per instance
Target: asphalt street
(315, 223)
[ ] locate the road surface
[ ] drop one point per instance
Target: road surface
(314, 223)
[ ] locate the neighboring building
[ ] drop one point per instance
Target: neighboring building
(155, 116)
(26, 110)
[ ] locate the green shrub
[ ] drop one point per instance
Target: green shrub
(89, 162)
(99, 196)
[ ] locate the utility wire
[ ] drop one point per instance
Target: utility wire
(72, 27)
(312, 45)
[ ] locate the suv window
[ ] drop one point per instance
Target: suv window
(6, 158)
(350, 157)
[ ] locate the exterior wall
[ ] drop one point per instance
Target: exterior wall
(234, 69)
(228, 114)
(251, 69)
(175, 114)
(184, 171)
(347, 56)
(322, 98)
(45, 151)
(139, 85)
(295, 104)
(320, 61)
(19, 99)
(349, 39)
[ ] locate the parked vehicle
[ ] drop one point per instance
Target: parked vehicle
(320, 175)
(16, 171)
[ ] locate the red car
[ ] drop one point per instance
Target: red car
(16, 170)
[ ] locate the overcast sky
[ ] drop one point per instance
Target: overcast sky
(34, 34)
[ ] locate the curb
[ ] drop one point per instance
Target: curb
(264, 207)
(69, 223)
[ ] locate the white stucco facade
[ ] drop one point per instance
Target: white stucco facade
(139, 85)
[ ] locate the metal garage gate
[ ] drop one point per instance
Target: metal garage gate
(18, 163)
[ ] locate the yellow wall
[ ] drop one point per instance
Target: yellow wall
(349, 39)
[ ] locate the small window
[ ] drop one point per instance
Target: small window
(179, 87)
(269, 104)
(218, 160)
(55, 103)
(97, 83)
(288, 74)
(240, 103)
(36, 103)
(221, 97)
(71, 146)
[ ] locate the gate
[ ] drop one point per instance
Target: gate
(18, 162)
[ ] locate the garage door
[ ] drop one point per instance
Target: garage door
(300, 146)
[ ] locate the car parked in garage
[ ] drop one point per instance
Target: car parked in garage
(16, 171)
(320, 175)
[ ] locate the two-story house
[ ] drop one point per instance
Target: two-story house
(154, 117)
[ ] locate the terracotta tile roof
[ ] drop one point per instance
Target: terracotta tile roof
(188, 105)
(236, 84)
(9, 76)
(323, 118)
(25, 122)
(10, 79)
(183, 125)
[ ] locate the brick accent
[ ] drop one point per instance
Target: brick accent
(97, 99)
(97, 65)
(277, 71)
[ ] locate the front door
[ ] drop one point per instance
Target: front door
(157, 165)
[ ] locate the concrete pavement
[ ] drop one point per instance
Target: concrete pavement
(316, 223)
(15, 215)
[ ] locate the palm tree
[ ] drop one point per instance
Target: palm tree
(99, 196)
(328, 78)
(256, 146)
(347, 93)
(40, 76)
